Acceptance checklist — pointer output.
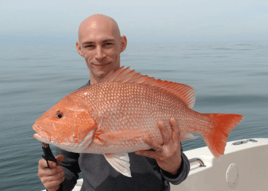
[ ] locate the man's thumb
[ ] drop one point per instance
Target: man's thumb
(59, 159)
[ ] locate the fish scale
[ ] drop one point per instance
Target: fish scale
(112, 118)
(137, 104)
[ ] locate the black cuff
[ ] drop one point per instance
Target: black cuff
(173, 176)
(182, 173)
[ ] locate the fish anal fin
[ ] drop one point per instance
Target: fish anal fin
(120, 162)
(125, 75)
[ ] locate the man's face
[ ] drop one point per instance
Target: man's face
(101, 46)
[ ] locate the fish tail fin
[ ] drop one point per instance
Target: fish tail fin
(222, 125)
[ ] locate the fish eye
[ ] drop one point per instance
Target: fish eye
(59, 114)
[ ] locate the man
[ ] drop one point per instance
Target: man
(100, 44)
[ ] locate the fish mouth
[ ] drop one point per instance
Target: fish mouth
(45, 137)
(41, 135)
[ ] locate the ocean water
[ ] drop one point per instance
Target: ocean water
(227, 77)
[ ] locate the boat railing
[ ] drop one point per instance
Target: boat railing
(197, 160)
(244, 141)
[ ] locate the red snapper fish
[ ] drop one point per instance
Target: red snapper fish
(113, 116)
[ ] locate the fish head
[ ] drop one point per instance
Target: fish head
(67, 125)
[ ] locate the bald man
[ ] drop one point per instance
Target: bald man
(100, 43)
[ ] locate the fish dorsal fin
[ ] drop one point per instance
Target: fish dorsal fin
(182, 91)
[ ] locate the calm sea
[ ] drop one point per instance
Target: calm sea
(227, 77)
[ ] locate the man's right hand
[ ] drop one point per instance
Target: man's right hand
(51, 177)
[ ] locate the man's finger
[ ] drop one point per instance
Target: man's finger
(153, 144)
(54, 184)
(59, 159)
(175, 129)
(50, 172)
(53, 177)
(43, 164)
(164, 131)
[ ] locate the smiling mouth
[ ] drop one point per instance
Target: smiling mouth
(100, 65)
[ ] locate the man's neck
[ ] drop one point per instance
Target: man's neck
(94, 81)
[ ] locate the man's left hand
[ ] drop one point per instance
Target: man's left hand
(168, 154)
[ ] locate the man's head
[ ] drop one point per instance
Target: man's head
(100, 43)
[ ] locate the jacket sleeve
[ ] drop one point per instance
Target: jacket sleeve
(181, 174)
(71, 169)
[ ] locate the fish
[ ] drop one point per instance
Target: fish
(112, 118)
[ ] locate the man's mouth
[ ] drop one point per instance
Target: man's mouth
(101, 64)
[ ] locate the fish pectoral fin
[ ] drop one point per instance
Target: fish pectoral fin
(119, 162)
(187, 137)
(112, 138)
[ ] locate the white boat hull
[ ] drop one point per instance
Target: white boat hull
(242, 168)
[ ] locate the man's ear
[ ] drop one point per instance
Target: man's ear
(123, 43)
(78, 48)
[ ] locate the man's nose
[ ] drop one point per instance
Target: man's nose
(99, 53)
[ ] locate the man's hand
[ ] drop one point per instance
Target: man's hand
(51, 177)
(168, 155)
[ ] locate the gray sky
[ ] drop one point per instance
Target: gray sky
(152, 21)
